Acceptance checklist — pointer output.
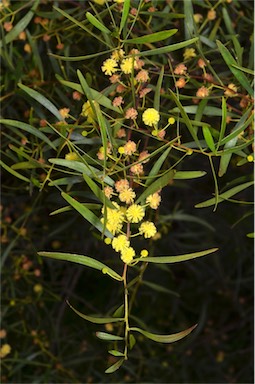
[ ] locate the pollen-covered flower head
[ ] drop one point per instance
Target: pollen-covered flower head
(118, 54)
(148, 229)
(109, 66)
(127, 196)
(120, 242)
(231, 90)
(142, 76)
(202, 92)
(154, 200)
(127, 65)
(131, 113)
(108, 191)
(135, 213)
(88, 112)
(150, 117)
(137, 169)
(127, 255)
(180, 69)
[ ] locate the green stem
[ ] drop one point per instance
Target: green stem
(126, 314)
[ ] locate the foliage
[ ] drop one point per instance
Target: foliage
(135, 114)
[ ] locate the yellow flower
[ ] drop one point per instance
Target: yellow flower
(135, 213)
(127, 255)
(108, 191)
(108, 66)
(127, 196)
(171, 120)
(5, 350)
(88, 112)
(127, 65)
(118, 54)
(71, 156)
(120, 243)
(148, 229)
(202, 92)
(115, 218)
(119, 1)
(231, 90)
(122, 184)
(154, 200)
(144, 253)
(150, 117)
(100, 2)
(64, 112)
(189, 53)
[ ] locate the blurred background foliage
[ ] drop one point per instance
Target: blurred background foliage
(48, 342)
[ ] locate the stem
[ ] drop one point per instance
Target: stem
(126, 310)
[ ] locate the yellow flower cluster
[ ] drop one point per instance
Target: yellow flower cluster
(126, 64)
(150, 117)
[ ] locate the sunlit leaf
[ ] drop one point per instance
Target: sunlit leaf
(115, 366)
(225, 196)
(94, 319)
(108, 336)
(185, 175)
(94, 21)
(152, 38)
(176, 259)
(80, 259)
(164, 338)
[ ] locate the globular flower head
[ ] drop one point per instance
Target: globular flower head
(121, 185)
(148, 229)
(129, 148)
(137, 169)
(120, 242)
(154, 200)
(131, 113)
(180, 69)
(108, 191)
(135, 213)
(181, 82)
(109, 66)
(142, 76)
(202, 92)
(127, 255)
(127, 196)
(127, 65)
(118, 54)
(88, 112)
(231, 90)
(150, 117)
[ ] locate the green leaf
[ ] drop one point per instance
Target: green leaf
(160, 288)
(168, 48)
(42, 100)
(94, 319)
(164, 338)
(81, 259)
(87, 214)
(124, 16)
(94, 21)
(243, 69)
(156, 103)
(208, 138)
(230, 61)
(28, 128)
(176, 259)
(83, 168)
(98, 192)
(224, 196)
(152, 38)
(185, 118)
(132, 341)
(250, 235)
(185, 175)
(223, 120)
(156, 166)
(189, 25)
(160, 183)
(108, 336)
(79, 58)
(116, 353)
(115, 366)
(20, 26)
(14, 173)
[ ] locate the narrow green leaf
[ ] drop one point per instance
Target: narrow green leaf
(115, 366)
(99, 97)
(87, 214)
(230, 61)
(20, 26)
(66, 181)
(94, 21)
(152, 38)
(83, 168)
(42, 100)
(224, 196)
(124, 16)
(132, 341)
(68, 208)
(116, 353)
(239, 127)
(156, 102)
(160, 288)
(223, 120)
(80, 259)
(95, 319)
(14, 173)
(185, 118)
(168, 48)
(156, 166)
(119, 311)
(164, 338)
(160, 183)
(79, 58)
(208, 138)
(108, 336)
(176, 259)
(185, 175)
(243, 69)
(97, 191)
(28, 128)
(189, 25)
(250, 235)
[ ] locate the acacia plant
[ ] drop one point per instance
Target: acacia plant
(148, 103)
